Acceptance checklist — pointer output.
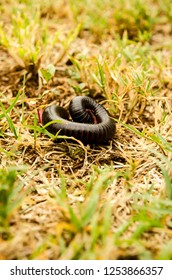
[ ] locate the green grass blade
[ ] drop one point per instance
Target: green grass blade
(9, 121)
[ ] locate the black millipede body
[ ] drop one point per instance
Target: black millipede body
(91, 122)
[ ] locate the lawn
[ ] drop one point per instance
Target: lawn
(61, 199)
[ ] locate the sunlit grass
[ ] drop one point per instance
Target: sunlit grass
(11, 194)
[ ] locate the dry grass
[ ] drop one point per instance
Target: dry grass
(64, 200)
